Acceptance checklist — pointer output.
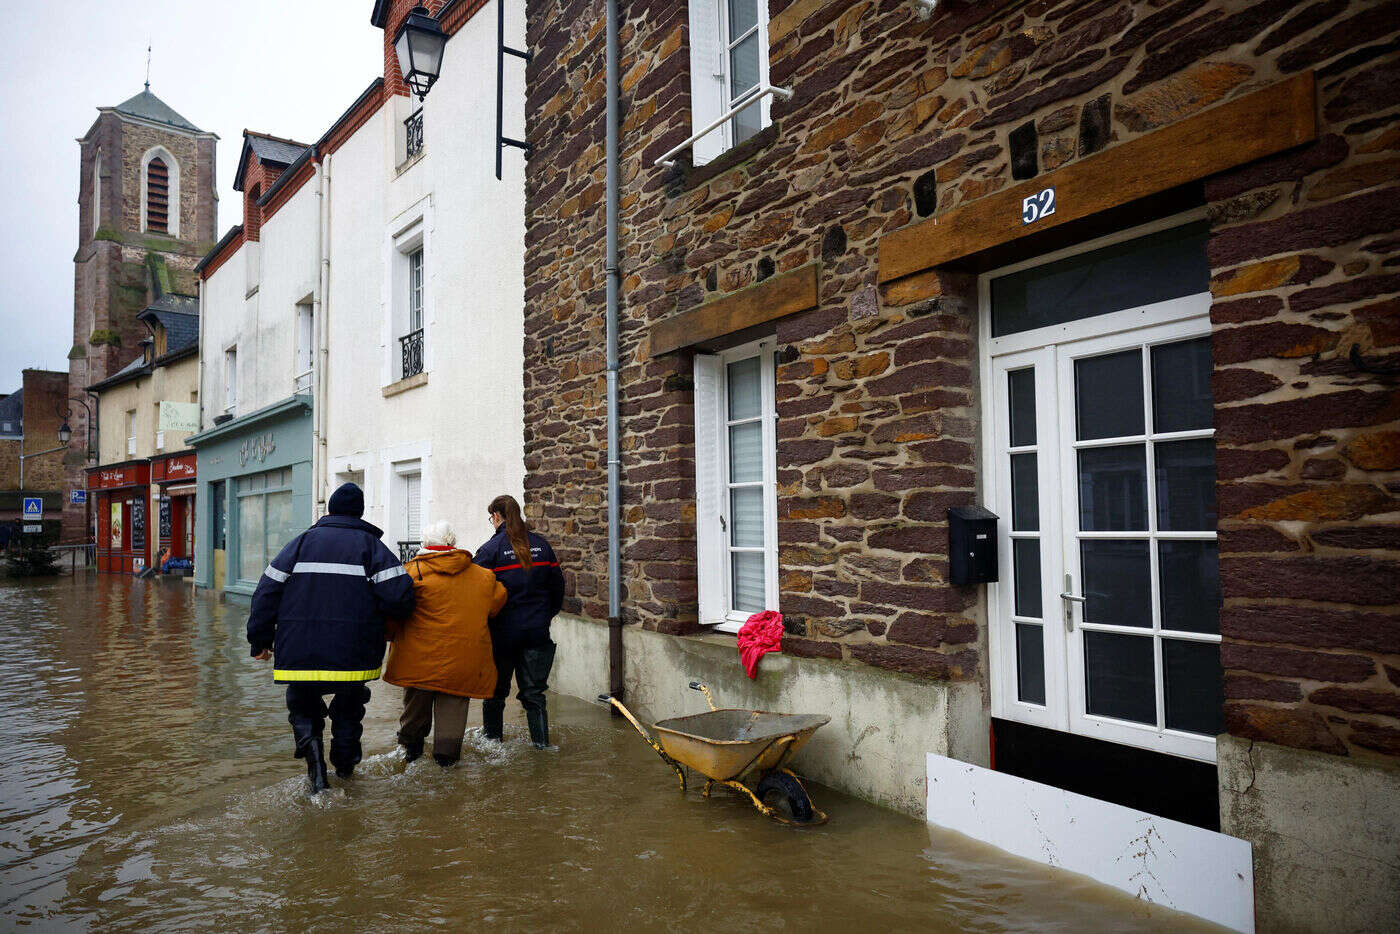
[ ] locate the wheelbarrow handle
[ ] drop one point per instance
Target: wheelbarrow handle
(675, 766)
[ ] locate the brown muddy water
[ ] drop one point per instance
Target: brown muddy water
(146, 783)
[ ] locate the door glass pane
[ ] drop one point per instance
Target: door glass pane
(1181, 399)
(1117, 583)
(1118, 676)
(745, 392)
(1160, 266)
(251, 558)
(742, 16)
(1108, 395)
(746, 453)
(1194, 696)
(1190, 580)
(743, 67)
(748, 579)
(1022, 391)
(1025, 555)
(1030, 663)
(1025, 499)
(1186, 485)
(746, 517)
(1113, 489)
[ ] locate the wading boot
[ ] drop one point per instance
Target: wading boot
(444, 760)
(412, 751)
(346, 773)
(492, 721)
(539, 727)
(316, 765)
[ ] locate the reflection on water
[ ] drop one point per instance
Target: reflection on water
(146, 782)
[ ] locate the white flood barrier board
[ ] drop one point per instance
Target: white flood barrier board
(1166, 862)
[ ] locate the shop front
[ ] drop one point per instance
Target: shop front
(119, 495)
(173, 479)
(254, 493)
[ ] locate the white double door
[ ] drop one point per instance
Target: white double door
(1104, 621)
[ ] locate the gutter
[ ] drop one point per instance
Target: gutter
(615, 653)
(233, 232)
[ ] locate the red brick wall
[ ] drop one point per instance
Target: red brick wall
(894, 118)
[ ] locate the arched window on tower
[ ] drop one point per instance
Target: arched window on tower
(96, 192)
(157, 195)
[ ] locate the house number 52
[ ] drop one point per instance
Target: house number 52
(1041, 204)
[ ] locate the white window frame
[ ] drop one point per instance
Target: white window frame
(306, 345)
(716, 604)
(416, 272)
(1161, 322)
(710, 73)
(412, 230)
(172, 229)
(231, 379)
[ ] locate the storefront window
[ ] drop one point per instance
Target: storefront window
(265, 521)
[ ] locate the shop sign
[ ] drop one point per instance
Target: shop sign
(258, 448)
(179, 416)
(138, 524)
(109, 477)
(165, 517)
(173, 468)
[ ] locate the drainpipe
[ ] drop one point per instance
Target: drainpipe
(615, 656)
(319, 312)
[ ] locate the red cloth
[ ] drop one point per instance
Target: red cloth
(763, 633)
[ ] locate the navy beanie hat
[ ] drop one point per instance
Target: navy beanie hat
(349, 500)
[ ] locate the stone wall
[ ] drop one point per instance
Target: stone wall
(195, 156)
(895, 118)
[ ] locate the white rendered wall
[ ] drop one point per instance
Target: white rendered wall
(465, 422)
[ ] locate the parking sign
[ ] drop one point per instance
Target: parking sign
(33, 508)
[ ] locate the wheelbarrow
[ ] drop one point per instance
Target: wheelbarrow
(746, 750)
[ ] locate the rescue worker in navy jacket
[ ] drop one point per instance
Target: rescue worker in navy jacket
(520, 643)
(319, 610)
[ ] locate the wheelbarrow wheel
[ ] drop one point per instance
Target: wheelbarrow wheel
(782, 788)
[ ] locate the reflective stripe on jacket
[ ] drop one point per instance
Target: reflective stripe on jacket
(321, 604)
(535, 596)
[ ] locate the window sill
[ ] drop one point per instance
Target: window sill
(410, 162)
(404, 385)
(692, 176)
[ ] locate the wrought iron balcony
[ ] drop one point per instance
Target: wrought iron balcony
(408, 550)
(413, 133)
(411, 349)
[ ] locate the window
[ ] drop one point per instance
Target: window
(415, 290)
(736, 484)
(265, 520)
(160, 435)
(412, 289)
(157, 195)
(407, 504)
(131, 432)
(230, 379)
(728, 64)
(306, 345)
(96, 191)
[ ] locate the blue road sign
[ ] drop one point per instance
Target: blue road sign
(33, 507)
(77, 497)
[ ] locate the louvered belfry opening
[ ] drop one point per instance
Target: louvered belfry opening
(157, 195)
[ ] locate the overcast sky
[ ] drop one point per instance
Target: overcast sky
(286, 68)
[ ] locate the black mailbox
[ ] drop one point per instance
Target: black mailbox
(972, 545)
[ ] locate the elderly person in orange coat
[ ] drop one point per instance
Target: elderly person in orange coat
(441, 655)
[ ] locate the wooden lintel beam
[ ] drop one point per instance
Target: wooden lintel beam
(1260, 124)
(765, 301)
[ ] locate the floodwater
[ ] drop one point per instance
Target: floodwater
(146, 783)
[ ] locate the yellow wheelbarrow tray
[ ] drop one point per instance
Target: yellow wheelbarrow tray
(738, 748)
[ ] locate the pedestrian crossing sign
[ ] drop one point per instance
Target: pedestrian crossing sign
(33, 507)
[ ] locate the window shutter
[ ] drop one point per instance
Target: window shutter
(709, 488)
(706, 78)
(413, 506)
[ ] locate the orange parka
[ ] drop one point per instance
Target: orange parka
(445, 645)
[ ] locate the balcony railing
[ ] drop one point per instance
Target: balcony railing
(411, 349)
(413, 133)
(407, 550)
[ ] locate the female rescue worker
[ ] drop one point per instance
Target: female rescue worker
(441, 655)
(320, 609)
(526, 565)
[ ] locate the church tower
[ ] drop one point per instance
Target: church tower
(147, 212)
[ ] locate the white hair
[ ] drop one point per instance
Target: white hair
(440, 533)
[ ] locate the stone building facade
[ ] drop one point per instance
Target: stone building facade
(29, 421)
(146, 204)
(851, 236)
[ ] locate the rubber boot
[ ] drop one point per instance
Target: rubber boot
(316, 765)
(539, 727)
(412, 751)
(444, 760)
(492, 720)
(345, 772)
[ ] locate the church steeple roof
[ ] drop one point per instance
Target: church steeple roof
(149, 107)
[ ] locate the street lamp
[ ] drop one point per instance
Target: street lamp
(419, 44)
(65, 433)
